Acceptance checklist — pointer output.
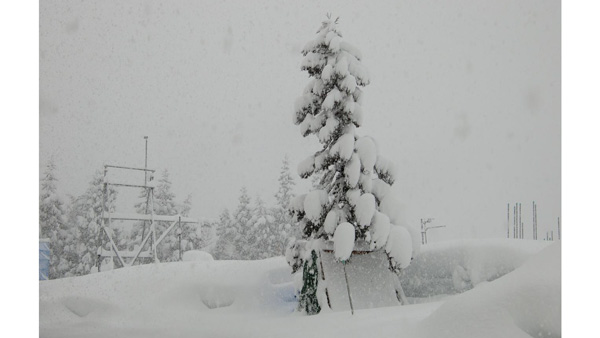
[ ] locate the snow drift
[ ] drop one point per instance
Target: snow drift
(452, 267)
(256, 299)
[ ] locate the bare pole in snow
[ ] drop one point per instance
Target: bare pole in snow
(99, 241)
(515, 221)
(521, 219)
(518, 221)
(534, 221)
(508, 220)
(348, 287)
(146, 161)
(145, 184)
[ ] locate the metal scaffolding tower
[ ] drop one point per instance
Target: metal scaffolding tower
(150, 216)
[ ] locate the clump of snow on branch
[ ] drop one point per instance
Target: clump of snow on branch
(365, 208)
(344, 147)
(313, 204)
(352, 171)
(331, 221)
(297, 203)
(380, 230)
(306, 167)
(399, 246)
(343, 241)
(367, 152)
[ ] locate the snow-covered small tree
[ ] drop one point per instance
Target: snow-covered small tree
(267, 232)
(164, 204)
(140, 229)
(355, 180)
(283, 219)
(53, 223)
(88, 215)
(224, 247)
(235, 236)
(207, 236)
(190, 236)
(244, 237)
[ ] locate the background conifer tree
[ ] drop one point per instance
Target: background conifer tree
(53, 223)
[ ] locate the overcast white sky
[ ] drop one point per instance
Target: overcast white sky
(464, 97)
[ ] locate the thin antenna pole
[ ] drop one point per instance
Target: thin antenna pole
(422, 232)
(515, 221)
(534, 221)
(508, 220)
(520, 223)
(102, 220)
(559, 228)
(146, 161)
(145, 184)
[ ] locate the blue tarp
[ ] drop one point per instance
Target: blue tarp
(44, 259)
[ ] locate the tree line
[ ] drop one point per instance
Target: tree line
(253, 230)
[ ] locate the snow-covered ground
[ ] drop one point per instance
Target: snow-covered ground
(255, 299)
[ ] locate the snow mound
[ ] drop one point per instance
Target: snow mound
(452, 267)
(524, 303)
(160, 293)
(257, 298)
(197, 255)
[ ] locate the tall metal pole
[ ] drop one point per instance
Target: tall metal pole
(508, 220)
(102, 220)
(520, 223)
(534, 221)
(146, 162)
(348, 287)
(145, 184)
(515, 221)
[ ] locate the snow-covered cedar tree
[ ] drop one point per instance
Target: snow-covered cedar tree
(283, 219)
(266, 232)
(354, 179)
(225, 233)
(236, 240)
